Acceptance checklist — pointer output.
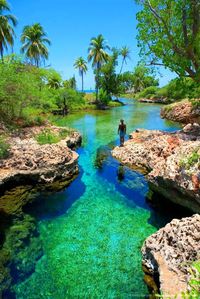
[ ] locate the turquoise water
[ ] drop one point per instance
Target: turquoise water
(92, 232)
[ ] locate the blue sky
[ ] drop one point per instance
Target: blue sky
(70, 24)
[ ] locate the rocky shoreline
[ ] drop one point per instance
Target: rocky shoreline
(168, 254)
(183, 112)
(29, 168)
(28, 161)
(171, 161)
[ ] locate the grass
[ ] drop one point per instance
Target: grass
(48, 137)
(190, 161)
(4, 148)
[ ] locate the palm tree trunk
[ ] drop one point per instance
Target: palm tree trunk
(122, 66)
(97, 82)
(82, 82)
(1, 52)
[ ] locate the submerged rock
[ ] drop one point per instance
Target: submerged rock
(168, 254)
(172, 161)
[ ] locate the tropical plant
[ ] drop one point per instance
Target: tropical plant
(109, 81)
(34, 41)
(81, 65)
(169, 35)
(7, 22)
(71, 83)
(54, 79)
(125, 53)
(98, 56)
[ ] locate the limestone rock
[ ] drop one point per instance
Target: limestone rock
(168, 254)
(171, 161)
(182, 112)
(37, 163)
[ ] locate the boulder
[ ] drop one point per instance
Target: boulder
(182, 112)
(34, 163)
(171, 162)
(168, 254)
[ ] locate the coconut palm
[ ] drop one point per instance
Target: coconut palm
(125, 53)
(7, 22)
(81, 65)
(98, 56)
(34, 41)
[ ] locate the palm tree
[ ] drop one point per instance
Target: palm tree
(81, 65)
(125, 53)
(7, 22)
(34, 41)
(98, 56)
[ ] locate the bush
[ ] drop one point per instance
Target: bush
(46, 137)
(4, 148)
(193, 158)
(104, 97)
(149, 92)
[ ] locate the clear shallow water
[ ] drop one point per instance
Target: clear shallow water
(93, 231)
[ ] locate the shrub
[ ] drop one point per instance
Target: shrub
(47, 137)
(147, 93)
(193, 158)
(65, 133)
(103, 96)
(4, 148)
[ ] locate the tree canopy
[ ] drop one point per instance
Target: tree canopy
(169, 35)
(7, 24)
(34, 41)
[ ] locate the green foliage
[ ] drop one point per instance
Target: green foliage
(7, 24)
(71, 98)
(65, 133)
(195, 103)
(98, 56)
(109, 81)
(70, 84)
(4, 148)
(23, 87)
(177, 89)
(81, 65)
(194, 285)
(103, 96)
(169, 35)
(141, 78)
(34, 41)
(46, 137)
(147, 93)
(190, 161)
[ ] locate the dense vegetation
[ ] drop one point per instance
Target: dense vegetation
(27, 92)
(177, 89)
(169, 35)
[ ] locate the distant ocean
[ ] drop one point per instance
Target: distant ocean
(88, 90)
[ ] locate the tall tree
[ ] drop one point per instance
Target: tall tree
(98, 56)
(125, 53)
(7, 24)
(34, 41)
(81, 65)
(169, 35)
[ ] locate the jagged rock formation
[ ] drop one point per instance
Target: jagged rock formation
(182, 112)
(172, 161)
(38, 167)
(39, 163)
(168, 254)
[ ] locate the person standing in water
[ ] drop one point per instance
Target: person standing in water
(122, 131)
